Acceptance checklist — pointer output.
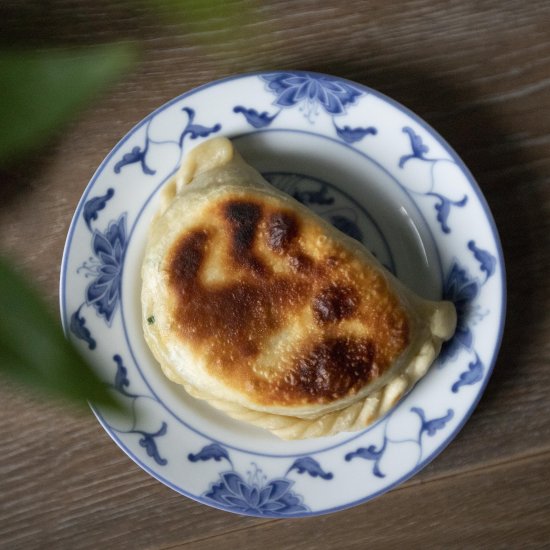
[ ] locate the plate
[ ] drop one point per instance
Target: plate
(373, 169)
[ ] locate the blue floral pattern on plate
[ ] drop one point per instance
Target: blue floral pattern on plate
(257, 495)
(139, 154)
(461, 289)
(201, 453)
(103, 293)
(148, 440)
(443, 205)
(310, 93)
(374, 454)
(104, 267)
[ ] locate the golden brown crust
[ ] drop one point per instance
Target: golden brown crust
(280, 270)
(272, 315)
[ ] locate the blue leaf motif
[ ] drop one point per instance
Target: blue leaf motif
(147, 439)
(196, 130)
(460, 289)
(150, 445)
(78, 327)
(311, 466)
(444, 204)
(351, 135)
(254, 118)
(419, 149)
(375, 455)
(487, 262)
(94, 205)
(347, 226)
(213, 451)
(473, 375)
(121, 377)
(369, 453)
(431, 426)
(318, 196)
(443, 208)
(135, 155)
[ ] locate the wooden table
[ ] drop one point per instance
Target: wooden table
(479, 72)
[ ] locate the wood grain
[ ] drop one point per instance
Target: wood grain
(452, 519)
(479, 72)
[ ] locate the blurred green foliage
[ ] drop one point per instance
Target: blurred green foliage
(33, 349)
(41, 90)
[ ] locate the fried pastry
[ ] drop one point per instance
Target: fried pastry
(255, 304)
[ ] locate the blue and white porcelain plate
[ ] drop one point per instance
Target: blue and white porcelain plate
(377, 172)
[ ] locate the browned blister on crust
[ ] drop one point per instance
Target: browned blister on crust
(267, 312)
(357, 327)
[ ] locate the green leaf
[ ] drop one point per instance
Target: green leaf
(34, 351)
(41, 90)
